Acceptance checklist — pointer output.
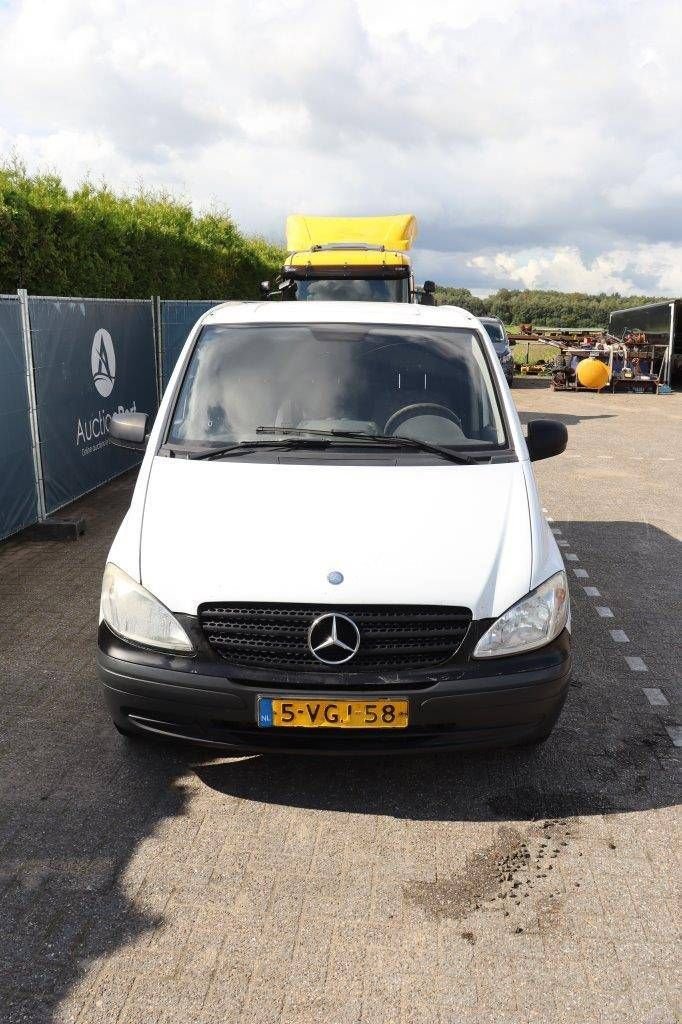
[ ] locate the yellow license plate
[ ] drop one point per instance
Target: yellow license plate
(332, 714)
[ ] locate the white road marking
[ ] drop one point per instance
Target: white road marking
(556, 531)
(562, 543)
(666, 458)
(606, 456)
(545, 511)
(636, 664)
(656, 697)
(549, 519)
(675, 734)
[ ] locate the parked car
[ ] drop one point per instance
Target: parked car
(335, 542)
(502, 345)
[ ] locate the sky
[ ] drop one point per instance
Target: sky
(539, 142)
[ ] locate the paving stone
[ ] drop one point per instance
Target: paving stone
(158, 883)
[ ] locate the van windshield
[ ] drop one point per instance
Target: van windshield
(428, 383)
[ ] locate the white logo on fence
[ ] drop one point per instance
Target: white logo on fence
(103, 362)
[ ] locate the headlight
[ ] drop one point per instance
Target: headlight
(135, 614)
(532, 622)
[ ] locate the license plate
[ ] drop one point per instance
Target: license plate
(332, 714)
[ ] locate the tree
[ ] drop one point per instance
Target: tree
(546, 308)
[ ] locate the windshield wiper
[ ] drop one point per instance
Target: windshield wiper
(245, 447)
(390, 440)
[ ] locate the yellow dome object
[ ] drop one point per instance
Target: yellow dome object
(592, 373)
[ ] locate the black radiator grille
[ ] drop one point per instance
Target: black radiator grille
(392, 637)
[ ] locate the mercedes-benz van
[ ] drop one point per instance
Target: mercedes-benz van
(335, 542)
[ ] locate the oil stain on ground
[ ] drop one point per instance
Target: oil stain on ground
(502, 875)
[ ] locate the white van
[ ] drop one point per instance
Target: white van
(335, 542)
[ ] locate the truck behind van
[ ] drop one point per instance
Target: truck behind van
(360, 259)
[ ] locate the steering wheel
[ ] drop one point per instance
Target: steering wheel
(408, 412)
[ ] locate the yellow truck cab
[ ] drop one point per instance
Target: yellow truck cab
(359, 259)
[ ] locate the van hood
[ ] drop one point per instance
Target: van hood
(445, 534)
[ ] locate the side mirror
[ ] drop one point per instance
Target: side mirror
(430, 287)
(545, 439)
(265, 289)
(129, 430)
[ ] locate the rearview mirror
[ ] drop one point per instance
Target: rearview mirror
(129, 430)
(545, 439)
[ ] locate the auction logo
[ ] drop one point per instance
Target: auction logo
(103, 362)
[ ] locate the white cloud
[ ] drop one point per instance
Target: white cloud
(535, 140)
(565, 269)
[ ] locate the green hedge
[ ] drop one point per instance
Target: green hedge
(96, 243)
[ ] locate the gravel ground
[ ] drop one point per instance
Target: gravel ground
(154, 883)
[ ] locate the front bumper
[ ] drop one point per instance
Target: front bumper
(496, 702)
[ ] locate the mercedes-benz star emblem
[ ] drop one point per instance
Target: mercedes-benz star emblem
(333, 638)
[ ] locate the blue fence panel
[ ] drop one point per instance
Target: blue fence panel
(18, 505)
(178, 317)
(92, 358)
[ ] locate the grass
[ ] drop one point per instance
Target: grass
(536, 351)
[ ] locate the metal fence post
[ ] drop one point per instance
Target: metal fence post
(158, 344)
(32, 403)
(671, 345)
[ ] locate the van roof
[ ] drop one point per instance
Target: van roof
(340, 312)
